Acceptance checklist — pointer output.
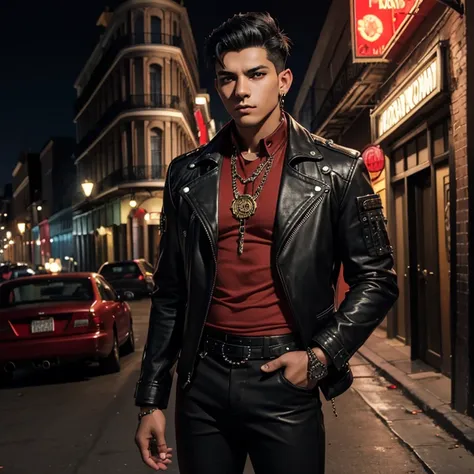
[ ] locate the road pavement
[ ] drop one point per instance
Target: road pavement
(80, 422)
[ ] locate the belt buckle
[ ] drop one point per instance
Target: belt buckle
(233, 362)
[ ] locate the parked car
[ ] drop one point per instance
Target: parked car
(15, 270)
(135, 276)
(46, 320)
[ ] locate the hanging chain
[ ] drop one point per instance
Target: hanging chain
(254, 175)
(265, 165)
(245, 205)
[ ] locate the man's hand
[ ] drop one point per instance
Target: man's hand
(152, 429)
(296, 366)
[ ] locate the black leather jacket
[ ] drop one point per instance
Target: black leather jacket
(326, 214)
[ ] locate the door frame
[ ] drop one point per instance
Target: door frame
(425, 125)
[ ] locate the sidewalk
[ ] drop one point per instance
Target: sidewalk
(428, 389)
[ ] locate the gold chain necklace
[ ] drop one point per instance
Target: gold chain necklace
(244, 205)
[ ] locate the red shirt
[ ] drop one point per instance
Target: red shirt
(246, 300)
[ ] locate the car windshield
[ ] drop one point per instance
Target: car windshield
(46, 291)
(120, 270)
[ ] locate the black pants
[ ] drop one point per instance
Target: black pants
(227, 413)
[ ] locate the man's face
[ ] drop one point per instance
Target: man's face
(249, 85)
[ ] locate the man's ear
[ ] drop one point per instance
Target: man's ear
(285, 79)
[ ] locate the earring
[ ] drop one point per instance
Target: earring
(282, 101)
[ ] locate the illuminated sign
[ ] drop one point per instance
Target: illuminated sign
(377, 25)
(422, 85)
(374, 158)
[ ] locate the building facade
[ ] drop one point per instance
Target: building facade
(52, 219)
(6, 250)
(26, 185)
(138, 106)
(415, 108)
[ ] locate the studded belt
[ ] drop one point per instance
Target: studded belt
(236, 350)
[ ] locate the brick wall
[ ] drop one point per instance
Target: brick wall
(455, 31)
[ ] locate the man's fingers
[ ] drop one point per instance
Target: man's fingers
(162, 447)
(275, 364)
(147, 458)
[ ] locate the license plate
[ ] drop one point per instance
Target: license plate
(42, 325)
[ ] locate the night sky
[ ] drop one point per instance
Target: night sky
(44, 45)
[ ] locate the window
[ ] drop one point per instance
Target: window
(139, 28)
(106, 293)
(46, 290)
(101, 289)
(155, 85)
(156, 30)
(156, 140)
(120, 271)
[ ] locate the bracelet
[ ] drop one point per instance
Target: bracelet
(143, 413)
(316, 369)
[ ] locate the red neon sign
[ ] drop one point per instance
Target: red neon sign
(377, 25)
(374, 158)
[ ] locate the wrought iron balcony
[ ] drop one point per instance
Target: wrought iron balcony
(346, 78)
(131, 174)
(109, 55)
(138, 102)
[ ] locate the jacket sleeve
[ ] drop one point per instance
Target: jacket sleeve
(367, 259)
(167, 313)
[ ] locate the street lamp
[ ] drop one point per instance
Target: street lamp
(133, 203)
(39, 208)
(9, 235)
(87, 187)
(21, 229)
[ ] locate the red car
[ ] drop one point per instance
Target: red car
(49, 319)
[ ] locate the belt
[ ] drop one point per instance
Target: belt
(237, 350)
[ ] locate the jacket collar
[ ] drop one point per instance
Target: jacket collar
(301, 144)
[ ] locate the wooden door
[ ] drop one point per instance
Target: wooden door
(423, 243)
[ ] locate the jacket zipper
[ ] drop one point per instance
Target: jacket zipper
(190, 373)
(290, 238)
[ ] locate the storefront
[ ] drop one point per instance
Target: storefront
(121, 229)
(412, 124)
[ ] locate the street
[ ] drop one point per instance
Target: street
(84, 423)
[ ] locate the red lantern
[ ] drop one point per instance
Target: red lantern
(374, 158)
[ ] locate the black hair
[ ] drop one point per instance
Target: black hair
(249, 30)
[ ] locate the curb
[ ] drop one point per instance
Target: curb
(400, 438)
(455, 423)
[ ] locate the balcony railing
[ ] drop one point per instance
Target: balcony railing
(346, 78)
(136, 102)
(131, 174)
(111, 52)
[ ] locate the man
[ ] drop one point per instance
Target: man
(255, 226)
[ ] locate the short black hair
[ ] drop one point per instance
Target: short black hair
(249, 30)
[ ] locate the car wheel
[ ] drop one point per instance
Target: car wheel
(111, 364)
(129, 346)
